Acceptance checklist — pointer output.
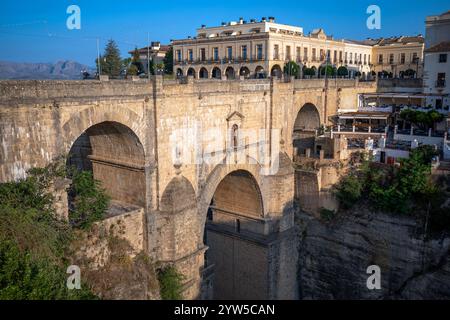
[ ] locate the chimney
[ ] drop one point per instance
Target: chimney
(271, 19)
(263, 19)
(252, 20)
(203, 26)
(241, 20)
(224, 23)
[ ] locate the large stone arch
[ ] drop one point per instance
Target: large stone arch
(304, 128)
(235, 218)
(116, 157)
(90, 116)
(216, 176)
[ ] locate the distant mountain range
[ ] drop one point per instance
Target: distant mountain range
(62, 70)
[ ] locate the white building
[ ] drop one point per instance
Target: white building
(437, 63)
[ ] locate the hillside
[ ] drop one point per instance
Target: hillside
(62, 70)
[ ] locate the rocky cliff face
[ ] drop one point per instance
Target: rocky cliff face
(334, 257)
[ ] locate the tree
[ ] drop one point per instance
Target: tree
(342, 71)
(331, 71)
(291, 68)
(409, 73)
(168, 61)
(136, 61)
(423, 120)
(110, 61)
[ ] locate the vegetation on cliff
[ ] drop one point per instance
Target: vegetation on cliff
(33, 242)
(409, 189)
(170, 283)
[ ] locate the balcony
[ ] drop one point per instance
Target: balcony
(440, 83)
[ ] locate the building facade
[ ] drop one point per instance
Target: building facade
(262, 48)
(398, 57)
(155, 53)
(437, 64)
(259, 49)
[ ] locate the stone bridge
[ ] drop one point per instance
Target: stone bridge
(207, 161)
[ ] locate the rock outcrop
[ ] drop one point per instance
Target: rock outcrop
(334, 257)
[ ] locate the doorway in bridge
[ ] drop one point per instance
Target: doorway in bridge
(306, 128)
(115, 156)
(238, 250)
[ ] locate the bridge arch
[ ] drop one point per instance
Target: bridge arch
(116, 157)
(83, 120)
(305, 126)
(233, 213)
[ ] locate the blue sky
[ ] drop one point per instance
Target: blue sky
(35, 31)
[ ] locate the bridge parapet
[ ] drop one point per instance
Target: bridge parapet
(31, 90)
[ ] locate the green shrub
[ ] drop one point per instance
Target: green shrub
(349, 190)
(327, 214)
(89, 201)
(33, 242)
(170, 283)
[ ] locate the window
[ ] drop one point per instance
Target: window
(440, 80)
(238, 225)
(276, 49)
(340, 56)
(443, 58)
(203, 54)
(190, 55)
(314, 54)
(259, 51)
(244, 52)
(178, 55)
(402, 58)
(391, 58)
(322, 55)
(230, 53)
(335, 56)
(380, 59)
(299, 53)
(328, 56)
(305, 54)
(365, 59)
(288, 53)
(415, 58)
(438, 104)
(351, 58)
(216, 54)
(368, 58)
